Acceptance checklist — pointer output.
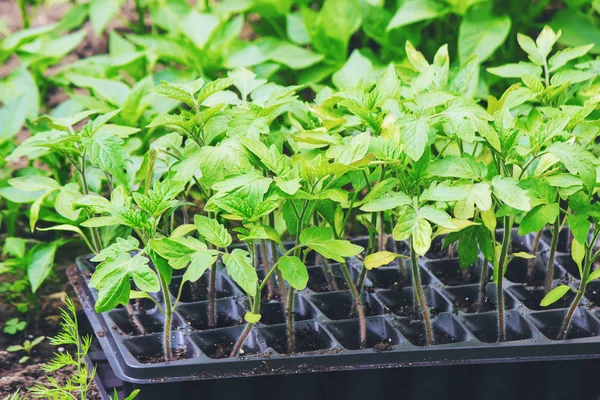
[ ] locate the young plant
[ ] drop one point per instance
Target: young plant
(585, 227)
(27, 347)
(79, 382)
(14, 325)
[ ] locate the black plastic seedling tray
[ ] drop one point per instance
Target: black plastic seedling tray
(466, 360)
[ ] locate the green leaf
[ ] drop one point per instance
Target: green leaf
(481, 33)
(414, 134)
(40, 260)
(507, 191)
(358, 70)
(112, 279)
(121, 246)
(562, 57)
(577, 29)
(593, 276)
(332, 28)
(436, 216)
(212, 231)
(108, 152)
(101, 13)
(33, 183)
(407, 220)
(580, 225)
(114, 92)
(522, 254)
(421, 236)
(198, 27)
(538, 218)
(413, 11)
(554, 295)
(457, 167)
(387, 202)
(65, 201)
(378, 259)
(240, 268)
(316, 234)
(578, 161)
(320, 239)
(516, 70)
(252, 318)
(200, 261)
(293, 271)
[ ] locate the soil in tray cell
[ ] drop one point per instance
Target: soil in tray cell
(125, 322)
(531, 298)
(550, 322)
(219, 343)
(149, 349)
(466, 298)
(380, 335)
(273, 313)
(198, 291)
(485, 327)
(445, 330)
(317, 280)
(229, 313)
(517, 271)
(308, 337)
(450, 273)
(400, 302)
(341, 305)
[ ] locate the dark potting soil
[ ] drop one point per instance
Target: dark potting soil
(535, 297)
(409, 311)
(197, 291)
(131, 328)
(574, 332)
(305, 339)
(317, 282)
(472, 305)
(439, 337)
(200, 322)
(455, 277)
(383, 346)
(155, 355)
(219, 350)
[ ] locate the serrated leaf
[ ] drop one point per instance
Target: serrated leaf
(239, 267)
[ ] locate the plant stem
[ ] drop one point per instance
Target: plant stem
(361, 279)
(241, 340)
(534, 249)
(135, 319)
(212, 312)
(500, 293)
(168, 316)
(358, 301)
(24, 15)
(380, 238)
(140, 12)
(588, 261)
(290, 318)
(552, 254)
(275, 255)
(328, 274)
(419, 291)
(265, 257)
(482, 284)
(248, 328)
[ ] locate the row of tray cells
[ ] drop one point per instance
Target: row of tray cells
(338, 306)
(383, 334)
